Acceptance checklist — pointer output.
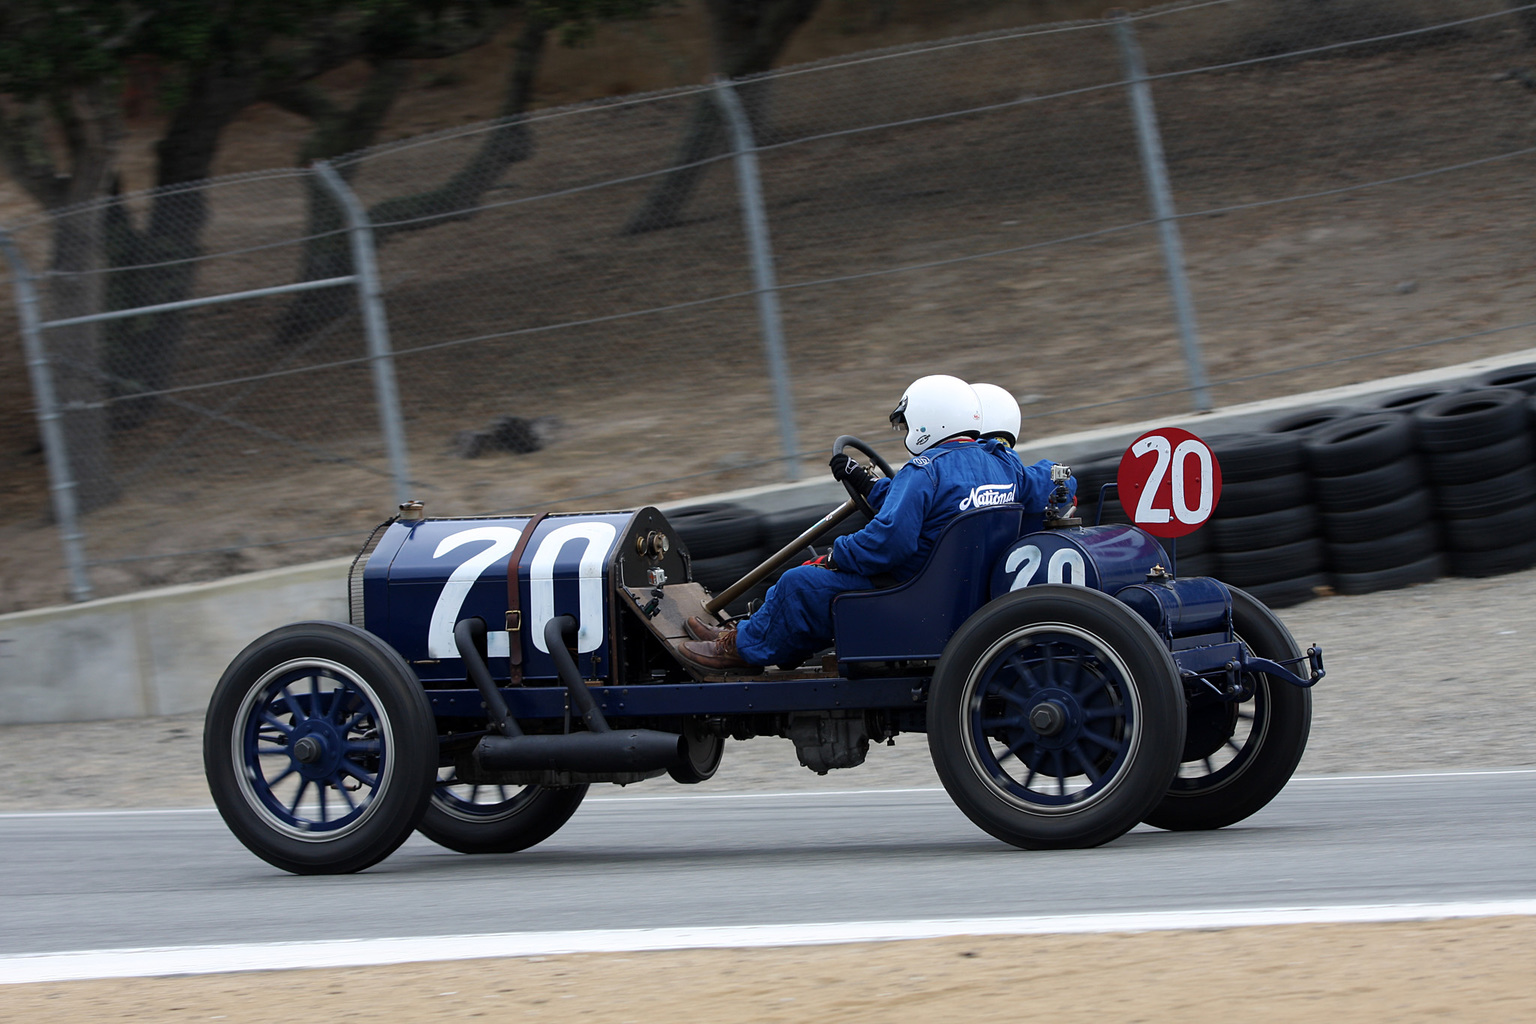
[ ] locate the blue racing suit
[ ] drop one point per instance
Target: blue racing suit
(913, 509)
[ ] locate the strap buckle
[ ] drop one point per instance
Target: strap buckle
(515, 621)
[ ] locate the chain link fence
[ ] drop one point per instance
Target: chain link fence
(579, 316)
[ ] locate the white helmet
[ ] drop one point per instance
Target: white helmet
(999, 413)
(936, 408)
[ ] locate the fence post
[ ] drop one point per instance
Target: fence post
(370, 299)
(61, 480)
(1156, 171)
(764, 281)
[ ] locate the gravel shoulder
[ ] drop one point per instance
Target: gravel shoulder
(1430, 678)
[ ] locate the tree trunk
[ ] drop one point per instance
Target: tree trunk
(1526, 16)
(746, 38)
(140, 352)
(93, 132)
(455, 199)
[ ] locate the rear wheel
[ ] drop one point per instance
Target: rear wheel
(320, 747)
(474, 818)
(1055, 718)
(1238, 757)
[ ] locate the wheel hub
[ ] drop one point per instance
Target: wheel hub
(317, 749)
(1047, 718)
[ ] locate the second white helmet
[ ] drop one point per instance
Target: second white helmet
(999, 413)
(936, 408)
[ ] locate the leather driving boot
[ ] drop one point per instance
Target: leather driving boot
(698, 629)
(717, 655)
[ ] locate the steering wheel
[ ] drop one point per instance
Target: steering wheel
(848, 441)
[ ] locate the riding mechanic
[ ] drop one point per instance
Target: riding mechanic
(952, 470)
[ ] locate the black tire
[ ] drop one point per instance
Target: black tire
(1487, 497)
(1379, 486)
(1490, 533)
(1274, 730)
(1124, 676)
(1521, 378)
(1267, 530)
(1257, 497)
(1256, 456)
(1288, 593)
(702, 754)
(1425, 570)
(716, 529)
(719, 573)
(1471, 419)
(1408, 401)
(1270, 565)
(1384, 552)
(1450, 468)
(1201, 542)
(779, 528)
(365, 719)
(513, 819)
(1478, 564)
(1413, 509)
(1195, 565)
(1307, 420)
(1358, 443)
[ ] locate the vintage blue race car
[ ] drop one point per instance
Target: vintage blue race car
(1069, 684)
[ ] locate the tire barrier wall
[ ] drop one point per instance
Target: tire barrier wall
(1431, 481)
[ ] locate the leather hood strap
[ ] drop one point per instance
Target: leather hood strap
(514, 599)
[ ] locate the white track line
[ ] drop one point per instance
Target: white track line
(137, 963)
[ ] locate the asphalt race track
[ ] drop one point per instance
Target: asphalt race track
(178, 878)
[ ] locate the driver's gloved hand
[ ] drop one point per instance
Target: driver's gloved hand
(845, 469)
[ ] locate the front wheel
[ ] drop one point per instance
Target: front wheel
(320, 748)
(1055, 718)
(496, 819)
(1238, 757)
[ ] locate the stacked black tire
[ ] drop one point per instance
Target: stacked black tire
(1264, 530)
(727, 541)
(1478, 456)
(1376, 515)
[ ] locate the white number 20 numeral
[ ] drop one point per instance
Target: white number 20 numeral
(1064, 563)
(589, 637)
(1174, 459)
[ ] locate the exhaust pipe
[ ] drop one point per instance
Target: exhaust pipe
(599, 750)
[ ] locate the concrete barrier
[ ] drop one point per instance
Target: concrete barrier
(160, 652)
(157, 652)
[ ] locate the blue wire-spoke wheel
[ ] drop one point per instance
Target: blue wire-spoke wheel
(315, 749)
(320, 748)
(1056, 718)
(1238, 757)
(1051, 718)
(495, 817)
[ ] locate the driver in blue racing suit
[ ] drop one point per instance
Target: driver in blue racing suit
(952, 470)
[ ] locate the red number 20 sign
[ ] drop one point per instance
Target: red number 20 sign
(1169, 482)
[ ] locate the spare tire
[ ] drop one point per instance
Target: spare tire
(1270, 565)
(1489, 533)
(1413, 509)
(1286, 593)
(1408, 401)
(1424, 570)
(1307, 420)
(1265, 530)
(715, 529)
(1521, 378)
(1358, 443)
(1254, 456)
(1486, 497)
(1384, 552)
(1471, 419)
(1367, 490)
(1255, 497)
